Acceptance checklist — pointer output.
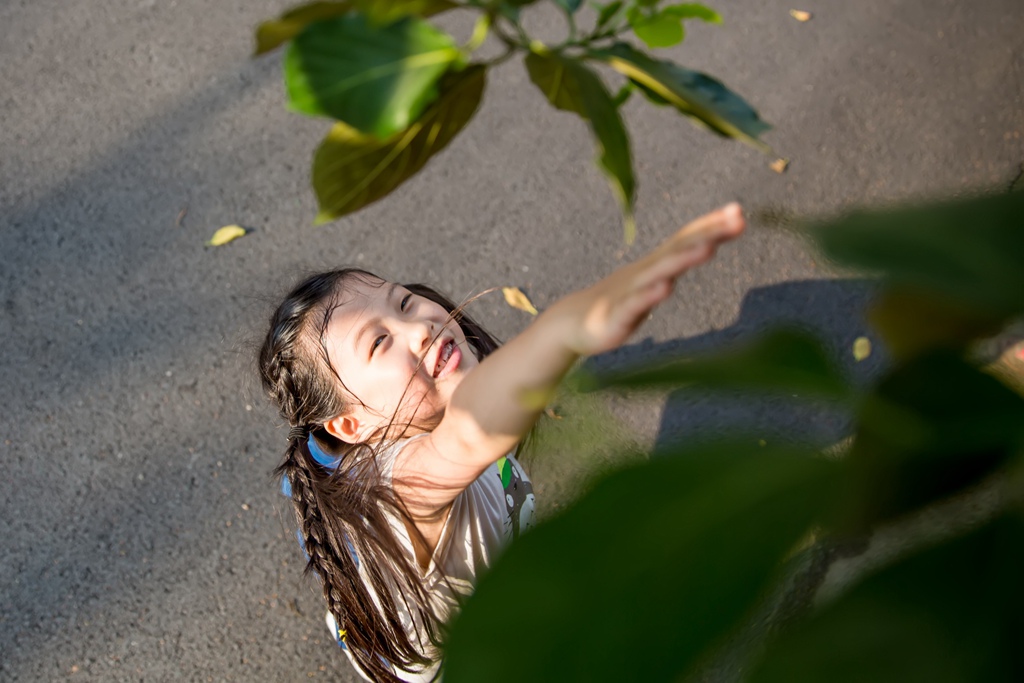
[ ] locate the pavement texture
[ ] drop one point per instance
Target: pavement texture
(142, 535)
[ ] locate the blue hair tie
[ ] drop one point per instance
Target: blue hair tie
(323, 458)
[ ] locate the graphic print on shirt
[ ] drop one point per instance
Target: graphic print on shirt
(519, 498)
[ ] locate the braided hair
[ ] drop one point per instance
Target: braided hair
(343, 511)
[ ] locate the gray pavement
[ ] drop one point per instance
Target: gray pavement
(142, 537)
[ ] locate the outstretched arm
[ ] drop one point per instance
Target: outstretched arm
(499, 401)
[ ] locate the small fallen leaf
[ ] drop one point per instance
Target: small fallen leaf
(550, 412)
(181, 216)
(779, 165)
(800, 15)
(225, 235)
(861, 348)
(515, 298)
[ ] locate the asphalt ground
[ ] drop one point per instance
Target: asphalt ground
(143, 536)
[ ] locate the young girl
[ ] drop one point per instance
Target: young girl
(405, 416)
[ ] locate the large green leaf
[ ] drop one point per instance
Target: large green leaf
(276, 32)
(571, 86)
(783, 361)
(387, 11)
(351, 170)
(377, 79)
(696, 95)
(970, 251)
(932, 427)
(647, 572)
(948, 615)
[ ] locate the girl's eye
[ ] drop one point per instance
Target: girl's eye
(405, 302)
(376, 342)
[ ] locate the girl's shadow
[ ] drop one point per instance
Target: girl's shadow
(833, 310)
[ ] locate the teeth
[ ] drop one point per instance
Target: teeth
(446, 353)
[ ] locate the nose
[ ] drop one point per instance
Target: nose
(421, 335)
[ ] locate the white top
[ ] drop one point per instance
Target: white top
(483, 519)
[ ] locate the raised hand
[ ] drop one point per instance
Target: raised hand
(603, 317)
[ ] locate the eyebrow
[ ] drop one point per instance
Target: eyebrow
(375, 320)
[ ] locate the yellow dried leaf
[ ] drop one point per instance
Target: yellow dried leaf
(779, 165)
(800, 15)
(861, 348)
(515, 298)
(225, 235)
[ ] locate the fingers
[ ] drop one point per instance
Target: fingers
(718, 226)
(674, 263)
(632, 312)
(693, 245)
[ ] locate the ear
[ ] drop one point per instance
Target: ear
(344, 427)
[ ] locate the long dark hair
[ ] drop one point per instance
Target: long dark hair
(343, 511)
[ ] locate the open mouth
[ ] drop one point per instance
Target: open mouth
(447, 359)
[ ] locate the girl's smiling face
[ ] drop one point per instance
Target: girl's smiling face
(399, 355)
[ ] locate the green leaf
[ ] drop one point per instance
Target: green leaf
(661, 30)
(377, 79)
(387, 11)
(569, 6)
(782, 361)
(351, 170)
(693, 11)
(569, 85)
(696, 95)
(934, 426)
(625, 92)
(607, 13)
(969, 251)
(949, 614)
(272, 34)
(645, 574)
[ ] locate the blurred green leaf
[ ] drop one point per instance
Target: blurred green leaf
(660, 30)
(784, 361)
(351, 170)
(607, 13)
(387, 11)
(932, 427)
(969, 251)
(569, 6)
(377, 79)
(912, 320)
(625, 92)
(950, 614)
(693, 11)
(569, 85)
(696, 95)
(276, 32)
(646, 573)
(664, 28)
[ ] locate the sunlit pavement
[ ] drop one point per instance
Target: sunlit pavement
(143, 535)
